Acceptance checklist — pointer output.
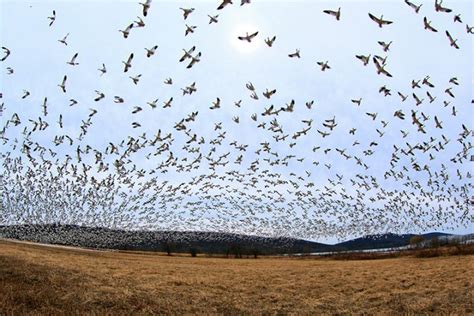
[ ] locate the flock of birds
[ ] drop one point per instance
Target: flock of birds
(178, 179)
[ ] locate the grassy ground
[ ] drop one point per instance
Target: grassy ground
(45, 280)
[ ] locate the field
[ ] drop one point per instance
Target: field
(36, 279)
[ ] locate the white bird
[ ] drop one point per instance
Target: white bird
(146, 7)
(380, 21)
(72, 62)
(187, 54)
(128, 63)
(269, 41)
(452, 41)
(7, 53)
(414, 6)
(126, 32)
(224, 4)
(63, 40)
(440, 8)
(324, 65)
(248, 37)
(380, 68)
(151, 51)
(295, 54)
(336, 14)
(213, 19)
(63, 84)
(102, 70)
(194, 60)
(428, 25)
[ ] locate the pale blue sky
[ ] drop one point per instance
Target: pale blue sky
(39, 63)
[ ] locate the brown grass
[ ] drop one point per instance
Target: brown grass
(44, 280)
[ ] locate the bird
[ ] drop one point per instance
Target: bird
(63, 40)
(414, 6)
(380, 68)
(248, 37)
(100, 96)
(469, 29)
(213, 19)
(452, 41)
(187, 54)
(404, 97)
(269, 41)
(357, 101)
(140, 22)
(457, 18)
(26, 93)
(324, 65)
(417, 99)
(7, 53)
(189, 29)
(186, 12)
(151, 51)
(102, 70)
(127, 30)
(380, 21)
(128, 63)
(52, 18)
(167, 104)
(153, 103)
(242, 2)
(295, 54)
(440, 8)
(136, 79)
(428, 25)
(336, 14)
(72, 62)
(224, 4)
(385, 46)
(168, 81)
(194, 60)
(364, 59)
(146, 6)
(63, 84)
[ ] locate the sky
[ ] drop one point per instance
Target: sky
(226, 65)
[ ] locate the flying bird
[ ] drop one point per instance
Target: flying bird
(128, 63)
(380, 21)
(440, 8)
(151, 51)
(72, 62)
(63, 40)
(295, 54)
(52, 18)
(224, 4)
(428, 25)
(452, 41)
(63, 84)
(269, 41)
(7, 53)
(414, 6)
(248, 37)
(336, 14)
(126, 32)
(146, 6)
(186, 12)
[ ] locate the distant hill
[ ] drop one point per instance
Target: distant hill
(201, 242)
(383, 241)
(175, 241)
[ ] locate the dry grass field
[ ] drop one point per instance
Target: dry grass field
(45, 280)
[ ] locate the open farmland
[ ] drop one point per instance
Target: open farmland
(55, 280)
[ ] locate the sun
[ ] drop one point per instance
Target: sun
(244, 46)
